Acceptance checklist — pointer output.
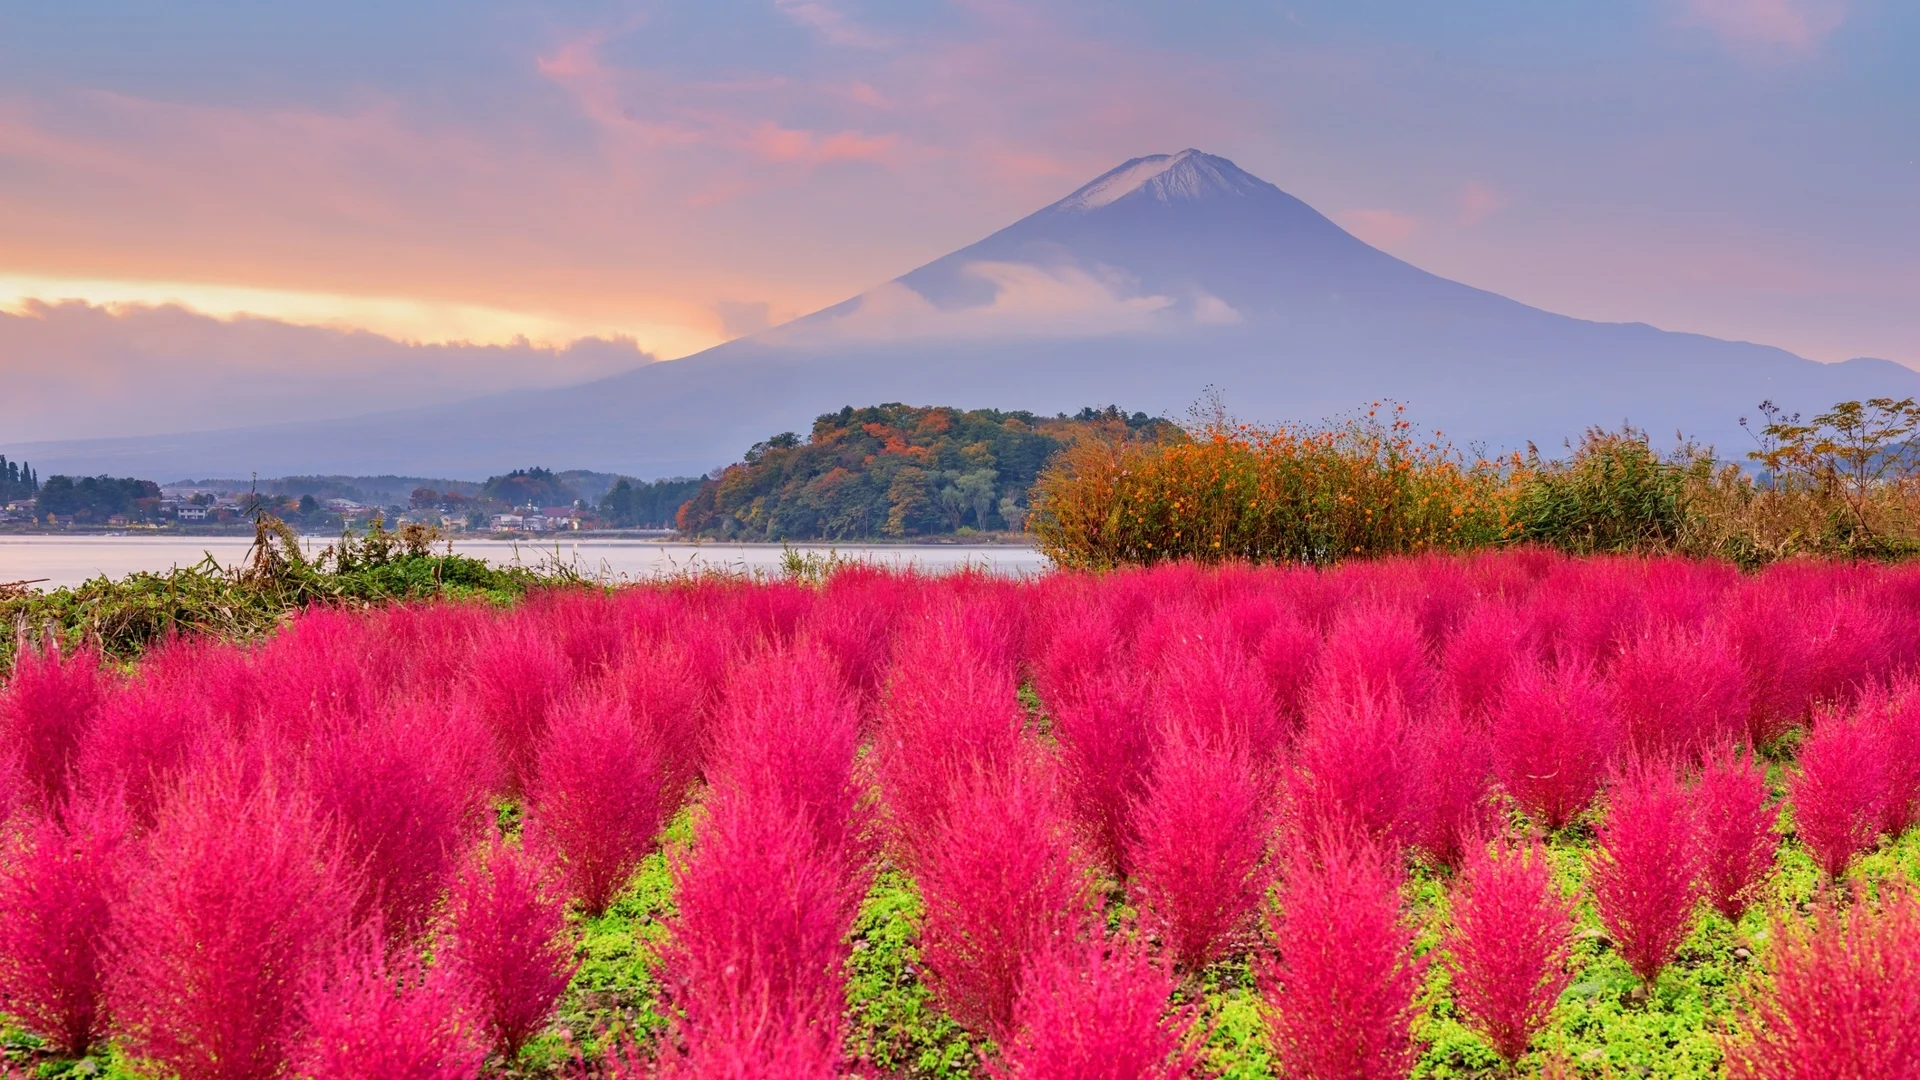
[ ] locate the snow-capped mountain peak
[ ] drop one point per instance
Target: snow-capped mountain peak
(1167, 178)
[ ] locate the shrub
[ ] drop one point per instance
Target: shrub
(1481, 654)
(787, 732)
(1200, 865)
(1098, 703)
(1454, 763)
(1839, 791)
(595, 802)
(58, 881)
(1616, 494)
(948, 709)
(756, 954)
(1679, 691)
(243, 893)
(1843, 1000)
(1553, 738)
(46, 707)
(1509, 944)
(1097, 1009)
(1001, 883)
(1376, 649)
(657, 684)
(405, 787)
(1356, 765)
(1736, 830)
(1895, 725)
(1205, 684)
(1646, 867)
(506, 941)
(381, 1017)
(518, 675)
(1340, 996)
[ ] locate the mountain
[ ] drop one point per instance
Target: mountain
(1163, 277)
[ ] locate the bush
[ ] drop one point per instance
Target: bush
(1843, 999)
(1679, 691)
(506, 942)
(1839, 791)
(242, 895)
(1553, 739)
(46, 708)
(1097, 1009)
(1002, 883)
(596, 800)
(1615, 494)
(1098, 702)
(1340, 995)
(1200, 866)
(1509, 944)
(381, 1017)
(1645, 870)
(1736, 830)
(58, 881)
(1357, 765)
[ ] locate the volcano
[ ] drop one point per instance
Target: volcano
(1161, 280)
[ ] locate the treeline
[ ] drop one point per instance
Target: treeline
(1845, 484)
(635, 504)
(898, 471)
(17, 480)
(95, 499)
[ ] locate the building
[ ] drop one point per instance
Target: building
(191, 512)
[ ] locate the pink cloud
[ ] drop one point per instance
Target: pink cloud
(831, 24)
(1795, 25)
(1478, 202)
(1381, 228)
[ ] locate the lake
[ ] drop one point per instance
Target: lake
(69, 560)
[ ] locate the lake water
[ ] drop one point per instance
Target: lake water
(69, 560)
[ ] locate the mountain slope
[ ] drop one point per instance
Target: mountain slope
(1158, 279)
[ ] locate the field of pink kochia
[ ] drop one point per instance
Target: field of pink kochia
(364, 847)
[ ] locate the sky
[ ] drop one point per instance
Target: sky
(671, 174)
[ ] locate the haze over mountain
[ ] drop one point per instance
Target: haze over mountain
(1160, 278)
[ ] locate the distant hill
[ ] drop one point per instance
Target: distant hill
(1165, 275)
(896, 471)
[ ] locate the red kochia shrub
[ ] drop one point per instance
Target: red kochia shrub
(1895, 724)
(1001, 883)
(948, 709)
(1679, 691)
(1200, 864)
(58, 881)
(518, 674)
(1098, 703)
(1646, 869)
(1455, 778)
(1840, 790)
(1207, 685)
(595, 800)
(1356, 764)
(1553, 739)
(1379, 649)
(755, 963)
(1096, 1009)
(387, 1018)
(405, 786)
(1736, 830)
(1843, 1001)
(665, 698)
(505, 941)
(1481, 653)
(786, 733)
(46, 707)
(1509, 944)
(1340, 994)
(241, 896)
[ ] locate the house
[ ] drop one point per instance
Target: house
(508, 522)
(191, 512)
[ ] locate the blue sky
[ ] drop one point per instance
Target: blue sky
(679, 172)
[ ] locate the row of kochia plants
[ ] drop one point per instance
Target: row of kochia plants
(350, 850)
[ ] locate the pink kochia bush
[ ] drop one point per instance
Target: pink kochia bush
(595, 802)
(1736, 830)
(1002, 883)
(381, 1017)
(1097, 1009)
(1554, 737)
(1340, 995)
(1200, 866)
(506, 941)
(242, 895)
(1357, 765)
(1679, 691)
(1844, 999)
(58, 880)
(46, 707)
(1646, 869)
(1509, 944)
(1840, 789)
(1098, 702)
(756, 959)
